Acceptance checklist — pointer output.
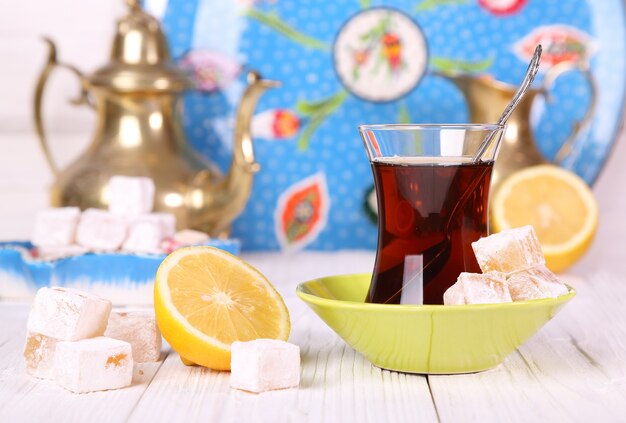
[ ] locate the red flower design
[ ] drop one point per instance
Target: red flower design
(502, 7)
(561, 43)
(302, 212)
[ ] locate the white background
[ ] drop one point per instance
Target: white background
(83, 32)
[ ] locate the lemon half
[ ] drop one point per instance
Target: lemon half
(205, 299)
(557, 203)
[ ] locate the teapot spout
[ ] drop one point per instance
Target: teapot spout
(229, 195)
(243, 151)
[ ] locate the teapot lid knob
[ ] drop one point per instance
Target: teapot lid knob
(139, 38)
(134, 5)
(140, 57)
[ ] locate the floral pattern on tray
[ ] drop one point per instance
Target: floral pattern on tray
(331, 56)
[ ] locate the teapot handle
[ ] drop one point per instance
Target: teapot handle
(579, 125)
(39, 89)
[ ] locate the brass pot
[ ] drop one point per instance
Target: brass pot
(487, 98)
(139, 133)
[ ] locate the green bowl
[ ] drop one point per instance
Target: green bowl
(433, 339)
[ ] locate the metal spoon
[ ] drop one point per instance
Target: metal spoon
(531, 72)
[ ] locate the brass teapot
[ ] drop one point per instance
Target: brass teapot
(487, 98)
(139, 133)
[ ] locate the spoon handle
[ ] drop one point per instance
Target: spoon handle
(531, 72)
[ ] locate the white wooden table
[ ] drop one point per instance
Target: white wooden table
(574, 369)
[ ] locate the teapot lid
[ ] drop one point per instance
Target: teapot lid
(140, 58)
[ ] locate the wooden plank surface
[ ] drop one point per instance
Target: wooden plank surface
(336, 382)
(574, 369)
(560, 374)
(25, 399)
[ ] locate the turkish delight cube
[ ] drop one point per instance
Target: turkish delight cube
(190, 237)
(476, 288)
(95, 364)
(167, 222)
(39, 355)
(522, 288)
(144, 236)
(56, 226)
(131, 196)
(454, 295)
(264, 364)
(68, 314)
(100, 230)
(509, 251)
(537, 282)
(140, 330)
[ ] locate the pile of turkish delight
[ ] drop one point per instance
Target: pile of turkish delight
(128, 226)
(75, 339)
(514, 269)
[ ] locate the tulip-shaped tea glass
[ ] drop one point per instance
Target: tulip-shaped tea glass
(433, 198)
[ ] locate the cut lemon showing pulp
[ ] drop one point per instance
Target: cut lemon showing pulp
(559, 205)
(205, 299)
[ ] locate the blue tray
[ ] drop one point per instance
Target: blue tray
(330, 56)
(120, 277)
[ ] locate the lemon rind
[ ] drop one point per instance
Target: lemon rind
(589, 225)
(161, 286)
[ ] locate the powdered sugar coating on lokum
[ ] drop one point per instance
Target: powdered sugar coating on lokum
(509, 251)
(56, 227)
(100, 230)
(138, 328)
(538, 282)
(264, 364)
(94, 364)
(476, 288)
(68, 314)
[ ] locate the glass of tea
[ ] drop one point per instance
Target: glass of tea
(433, 199)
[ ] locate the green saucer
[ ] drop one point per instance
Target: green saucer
(431, 339)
